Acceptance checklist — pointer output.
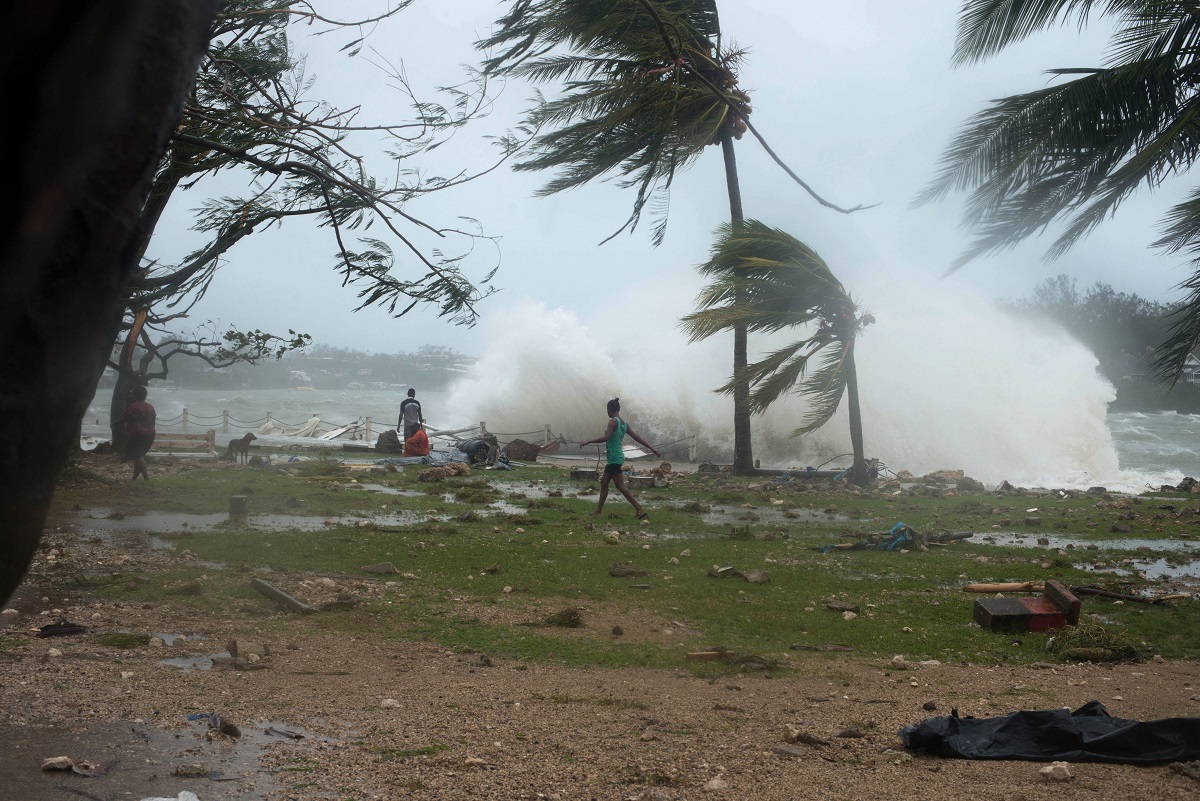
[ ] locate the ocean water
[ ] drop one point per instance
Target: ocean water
(1143, 449)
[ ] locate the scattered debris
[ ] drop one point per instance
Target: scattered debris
(289, 734)
(724, 572)
(279, 596)
(61, 629)
(1091, 642)
(1089, 734)
(797, 734)
(1056, 772)
(828, 646)
(837, 605)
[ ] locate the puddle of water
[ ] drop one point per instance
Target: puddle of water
(1058, 542)
(1153, 568)
(386, 490)
(145, 763)
(181, 523)
(190, 663)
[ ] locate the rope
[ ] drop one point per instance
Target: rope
(250, 422)
(522, 434)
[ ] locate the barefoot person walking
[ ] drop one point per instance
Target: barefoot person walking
(617, 429)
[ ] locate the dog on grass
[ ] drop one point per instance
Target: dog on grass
(239, 449)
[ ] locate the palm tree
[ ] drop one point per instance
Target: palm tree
(766, 280)
(647, 88)
(1072, 151)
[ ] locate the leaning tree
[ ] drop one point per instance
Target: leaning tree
(768, 281)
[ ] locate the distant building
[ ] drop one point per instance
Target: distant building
(1191, 370)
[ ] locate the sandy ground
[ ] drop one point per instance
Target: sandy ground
(394, 720)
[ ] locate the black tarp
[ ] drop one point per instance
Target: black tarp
(1089, 734)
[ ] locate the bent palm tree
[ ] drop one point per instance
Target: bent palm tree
(639, 103)
(767, 280)
(1074, 150)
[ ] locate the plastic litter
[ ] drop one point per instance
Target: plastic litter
(1089, 734)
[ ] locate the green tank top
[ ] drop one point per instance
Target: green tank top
(613, 445)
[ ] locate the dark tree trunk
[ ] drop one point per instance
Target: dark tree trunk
(100, 85)
(859, 472)
(743, 451)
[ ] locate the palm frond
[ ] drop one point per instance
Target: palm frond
(825, 388)
(985, 27)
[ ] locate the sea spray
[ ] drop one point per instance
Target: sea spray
(958, 384)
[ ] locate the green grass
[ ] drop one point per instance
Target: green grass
(552, 553)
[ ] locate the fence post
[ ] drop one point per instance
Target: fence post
(692, 449)
(269, 423)
(225, 421)
(185, 419)
(546, 436)
(369, 437)
(482, 429)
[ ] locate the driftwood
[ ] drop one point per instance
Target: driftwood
(1139, 599)
(1037, 586)
(279, 596)
(1012, 586)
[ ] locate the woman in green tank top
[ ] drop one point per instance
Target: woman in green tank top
(617, 429)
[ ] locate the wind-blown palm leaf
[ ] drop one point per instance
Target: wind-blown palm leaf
(767, 280)
(626, 109)
(985, 27)
(1073, 152)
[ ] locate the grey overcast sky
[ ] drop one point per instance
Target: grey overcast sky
(857, 96)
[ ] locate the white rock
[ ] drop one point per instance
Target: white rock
(673, 561)
(54, 653)
(474, 761)
(10, 612)
(717, 785)
(899, 662)
(686, 552)
(930, 663)
(1056, 772)
(507, 590)
(907, 629)
(57, 763)
(156, 642)
(127, 674)
(389, 703)
(848, 615)
(645, 547)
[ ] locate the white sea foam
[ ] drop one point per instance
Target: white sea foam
(957, 384)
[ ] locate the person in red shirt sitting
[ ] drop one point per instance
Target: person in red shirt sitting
(139, 427)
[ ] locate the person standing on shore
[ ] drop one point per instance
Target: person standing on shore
(411, 417)
(616, 431)
(139, 419)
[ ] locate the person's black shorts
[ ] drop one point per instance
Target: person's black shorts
(613, 469)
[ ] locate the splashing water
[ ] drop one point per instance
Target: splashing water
(957, 384)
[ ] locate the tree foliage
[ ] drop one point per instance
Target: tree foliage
(1073, 151)
(634, 104)
(1120, 328)
(250, 111)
